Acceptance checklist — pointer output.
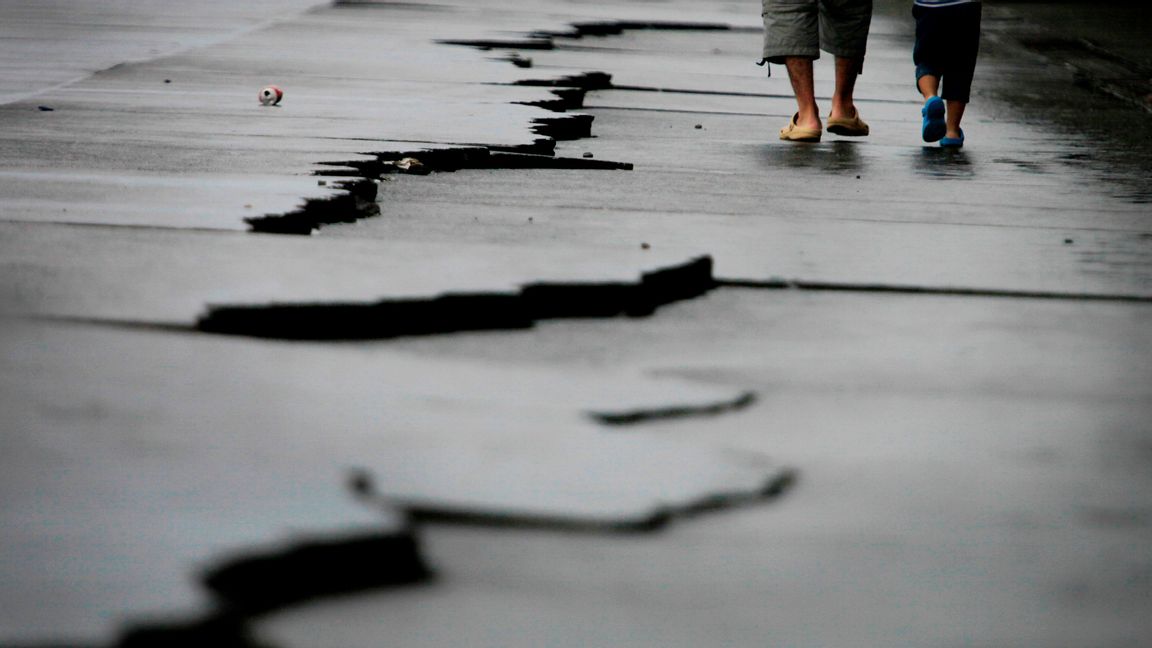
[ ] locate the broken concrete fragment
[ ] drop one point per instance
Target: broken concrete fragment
(655, 519)
(411, 165)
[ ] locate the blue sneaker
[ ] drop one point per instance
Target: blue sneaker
(934, 126)
(953, 142)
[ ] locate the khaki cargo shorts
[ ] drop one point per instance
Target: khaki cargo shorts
(804, 27)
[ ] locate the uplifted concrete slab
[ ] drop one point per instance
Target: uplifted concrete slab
(134, 461)
(107, 522)
(976, 474)
(168, 277)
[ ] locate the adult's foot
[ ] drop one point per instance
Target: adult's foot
(848, 124)
(794, 132)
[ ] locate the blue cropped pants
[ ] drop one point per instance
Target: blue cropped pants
(947, 43)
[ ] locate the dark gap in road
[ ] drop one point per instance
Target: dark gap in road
(394, 4)
(491, 44)
(566, 98)
(540, 146)
(618, 27)
(546, 40)
(454, 313)
(260, 583)
(534, 303)
(583, 80)
(832, 286)
(249, 585)
(639, 416)
(358, 199)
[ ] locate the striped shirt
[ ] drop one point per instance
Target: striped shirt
(942, 3)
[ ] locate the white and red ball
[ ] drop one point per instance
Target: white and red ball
(271, 95)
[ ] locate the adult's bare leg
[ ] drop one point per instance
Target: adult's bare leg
(803, 86)
(847, 69)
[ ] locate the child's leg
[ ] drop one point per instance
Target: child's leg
(929, 85)
(929, 55)
(926, 54)
(965, 46)
(953, 117)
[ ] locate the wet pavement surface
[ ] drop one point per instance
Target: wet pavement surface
(609, 365)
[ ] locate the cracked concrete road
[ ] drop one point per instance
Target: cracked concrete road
(948, 349)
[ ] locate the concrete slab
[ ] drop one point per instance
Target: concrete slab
(759, 235)
(168, 277)
(121, 485)
(978, 475)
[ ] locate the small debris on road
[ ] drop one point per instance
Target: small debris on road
(271, 95)
(411, 165)
(46, 108)
(587, 155)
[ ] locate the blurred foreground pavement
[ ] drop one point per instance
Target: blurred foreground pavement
(515, 325)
